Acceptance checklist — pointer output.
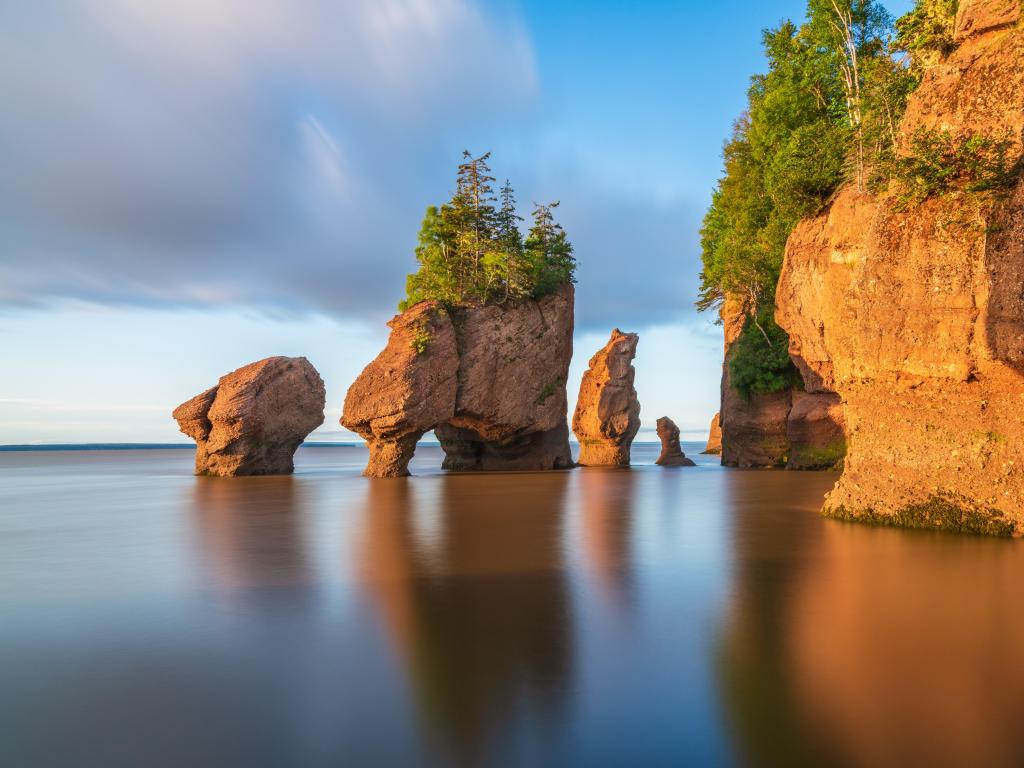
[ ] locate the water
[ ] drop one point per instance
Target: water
(647, 617)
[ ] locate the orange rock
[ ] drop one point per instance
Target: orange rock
(714, 445)
(407, 390)
(254, 419)
(607, 413)
(489, 380)
(915, 317)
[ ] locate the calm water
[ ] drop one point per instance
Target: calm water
(644, 617)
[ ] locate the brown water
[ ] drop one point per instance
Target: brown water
(644, 617)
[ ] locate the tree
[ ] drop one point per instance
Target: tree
(825, 111)
(548, 252)
(470, 252)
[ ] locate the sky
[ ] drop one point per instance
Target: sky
(192, 185)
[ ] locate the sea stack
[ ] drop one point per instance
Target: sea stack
(607, 413)
(489, 380)
(714, 445)
(252, 422)
(913, 314)
(671, 452)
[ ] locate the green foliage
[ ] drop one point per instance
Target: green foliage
(939, 162)
(470, 250)
(940, 512)
(549, 389)
(421, 338)
(826, 110)
(759, 358)
(926, 32)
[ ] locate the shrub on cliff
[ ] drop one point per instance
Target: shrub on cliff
(471, 251)
(759, 360)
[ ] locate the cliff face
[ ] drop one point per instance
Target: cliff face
(916, 317)
(490, 382)
(789, 428)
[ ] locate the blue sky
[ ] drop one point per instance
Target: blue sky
(190, 186)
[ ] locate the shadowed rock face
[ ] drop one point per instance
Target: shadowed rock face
(607, 413)
(489, 380)
(790, 428)
(254, 419)
(714, 445)
(671, 452)
(511, 402)
(915, 316)
(407, 390)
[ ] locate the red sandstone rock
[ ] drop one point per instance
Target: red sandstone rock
(916, 317)
(671, 452)
(254, 419)
(407, 390)
(489, 380)
(607, 413)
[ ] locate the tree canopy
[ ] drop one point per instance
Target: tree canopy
(471, 250)
(824, 112)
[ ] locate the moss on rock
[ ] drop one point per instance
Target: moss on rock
(939, 512)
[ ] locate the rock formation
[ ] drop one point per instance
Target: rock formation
(254, 419)
(714, 445)
(671, 453)
(771, 429)
(489, 380)
(511, 402)
(607, 413)
(915, 315)
(407, 390)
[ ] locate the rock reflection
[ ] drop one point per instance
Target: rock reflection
(606, 521)
(849, 645)
(250, 532)
(468, 575)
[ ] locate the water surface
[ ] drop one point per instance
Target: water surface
(646, 617)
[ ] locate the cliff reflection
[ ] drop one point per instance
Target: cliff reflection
(873, 647)
(467, 573)
(250, 532)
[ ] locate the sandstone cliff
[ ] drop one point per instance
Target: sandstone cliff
(607, 413)
(252, 422)
(788, 428)
(915, 316)
(489, 380)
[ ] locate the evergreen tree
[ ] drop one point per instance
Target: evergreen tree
(548, 251)
(470, 252)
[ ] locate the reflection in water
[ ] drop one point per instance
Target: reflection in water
(478, 604)
(606, 517)
(849, 645)
(250, 532)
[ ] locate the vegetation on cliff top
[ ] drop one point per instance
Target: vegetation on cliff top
(828, 106)
(471, 251)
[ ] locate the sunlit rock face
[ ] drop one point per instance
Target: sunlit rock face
(252, 422)
(607, 415)
(915, 316)
(714, 445)
(489, 380)
(406, 390)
